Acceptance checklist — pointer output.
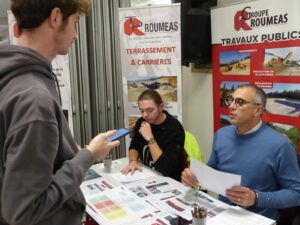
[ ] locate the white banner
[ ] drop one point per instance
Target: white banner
(255, 22)
(151, 56)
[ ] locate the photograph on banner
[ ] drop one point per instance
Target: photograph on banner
(166, 86)
(289, 131)
(227, 88)
(235, 62)
(224, 120)
(132, 121)
(283, 99)
(283, 61)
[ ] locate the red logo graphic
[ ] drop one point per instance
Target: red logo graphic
(131, 26)
(240, 19)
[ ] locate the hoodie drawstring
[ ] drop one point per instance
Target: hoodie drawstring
(57, 87)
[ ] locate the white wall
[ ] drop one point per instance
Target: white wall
(197, 108)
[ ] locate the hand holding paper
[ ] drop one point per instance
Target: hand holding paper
(212, 179)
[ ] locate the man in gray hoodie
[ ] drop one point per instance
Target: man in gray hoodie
(41, 167)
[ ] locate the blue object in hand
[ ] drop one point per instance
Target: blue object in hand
(122, 132)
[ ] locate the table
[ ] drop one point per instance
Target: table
(149, 198)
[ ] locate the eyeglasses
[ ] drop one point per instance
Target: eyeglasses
(239, 102)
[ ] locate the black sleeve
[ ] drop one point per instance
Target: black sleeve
(137, 141)
(170, 163)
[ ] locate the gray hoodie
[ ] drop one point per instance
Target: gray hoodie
(40, 166)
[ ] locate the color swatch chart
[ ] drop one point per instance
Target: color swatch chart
(118, 206)
(109, 209)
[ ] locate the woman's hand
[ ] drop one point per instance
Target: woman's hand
(132, 166)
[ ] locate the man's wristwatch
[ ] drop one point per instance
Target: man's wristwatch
(151, 141)
(256, 198)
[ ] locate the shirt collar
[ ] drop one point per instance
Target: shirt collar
(252, 130)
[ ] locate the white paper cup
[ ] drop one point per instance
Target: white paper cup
(198, 221)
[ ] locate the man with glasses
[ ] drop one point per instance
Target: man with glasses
(264, 158)
(158, 138)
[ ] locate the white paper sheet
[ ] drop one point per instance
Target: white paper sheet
(138, 175)
(238, 216)
(212, 179)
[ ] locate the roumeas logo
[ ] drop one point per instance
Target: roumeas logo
(247, 19)
(240, 19)
(132, 25)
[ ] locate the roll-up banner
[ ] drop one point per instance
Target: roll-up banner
(151, 56)
(258, 42)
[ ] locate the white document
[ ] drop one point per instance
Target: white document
(238, 216)
(138, 175)
(212, 179)
(95, 186)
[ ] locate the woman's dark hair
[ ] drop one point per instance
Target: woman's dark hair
(151, 94)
